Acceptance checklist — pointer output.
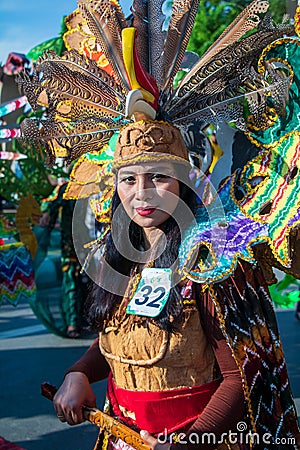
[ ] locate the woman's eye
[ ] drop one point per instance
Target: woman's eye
(158, 176)
(129, 180)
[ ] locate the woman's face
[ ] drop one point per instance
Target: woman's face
(149, 192)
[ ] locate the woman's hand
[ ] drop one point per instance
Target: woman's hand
(153, 442)
(74, 393)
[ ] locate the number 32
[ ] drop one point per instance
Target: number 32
(148, 293)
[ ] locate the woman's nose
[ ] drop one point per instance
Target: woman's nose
(145, 188)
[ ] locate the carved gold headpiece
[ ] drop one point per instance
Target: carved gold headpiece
(149, 141)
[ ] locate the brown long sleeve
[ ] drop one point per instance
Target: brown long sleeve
(225, 408)
(92, 364)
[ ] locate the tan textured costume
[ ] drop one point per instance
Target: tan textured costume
(183, 364)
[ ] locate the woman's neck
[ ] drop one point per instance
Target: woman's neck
(155, 241)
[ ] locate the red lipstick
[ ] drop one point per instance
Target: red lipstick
(145, 211)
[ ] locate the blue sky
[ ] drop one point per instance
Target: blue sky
(24, 24)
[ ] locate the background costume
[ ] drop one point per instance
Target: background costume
(72, 290)
(249, 76)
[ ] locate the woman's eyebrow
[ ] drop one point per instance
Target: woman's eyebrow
(160, 169)
(155, 169)
(126, 173)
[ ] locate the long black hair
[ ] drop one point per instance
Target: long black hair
(101, 302)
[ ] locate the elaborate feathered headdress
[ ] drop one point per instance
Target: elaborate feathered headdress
(116, 69)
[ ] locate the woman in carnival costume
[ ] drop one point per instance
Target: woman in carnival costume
(187, 332)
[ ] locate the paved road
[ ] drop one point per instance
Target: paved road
(30, 355)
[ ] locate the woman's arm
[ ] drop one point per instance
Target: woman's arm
(226, 407)
(76, 391)
(92, 364)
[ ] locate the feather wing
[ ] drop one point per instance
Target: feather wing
(148, 19)
(84, 104)
(156, 36)
(246, 21)
(73, 90)
(212, 109)
(178, 35)
(75, 140)
(219, 78)
(219, 88)
(105, 20)
(140, 22)
(79, 63)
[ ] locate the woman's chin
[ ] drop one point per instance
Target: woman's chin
(154, 220)
(146, 222)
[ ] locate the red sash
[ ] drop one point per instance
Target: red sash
(158, 411)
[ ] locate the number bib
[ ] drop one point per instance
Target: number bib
(152, 293)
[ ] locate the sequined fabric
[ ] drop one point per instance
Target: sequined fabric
(248, 322)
